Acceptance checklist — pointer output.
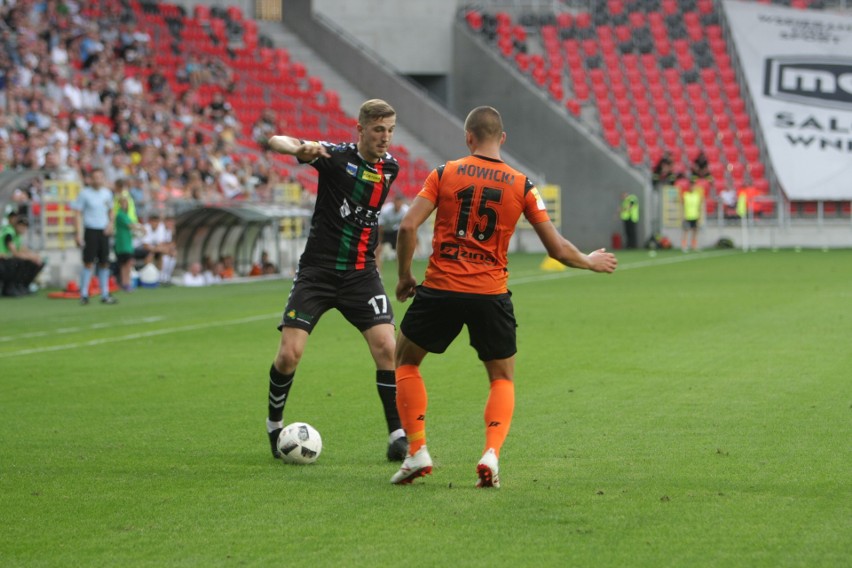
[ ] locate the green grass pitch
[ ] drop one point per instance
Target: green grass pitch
(689, 410)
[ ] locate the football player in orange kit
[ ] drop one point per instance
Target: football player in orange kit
(479, 200)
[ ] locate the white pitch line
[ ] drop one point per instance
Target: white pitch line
(523, 280)
(132, 336)
(64, 330)
(571, 272)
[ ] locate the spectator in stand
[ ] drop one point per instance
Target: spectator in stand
(158, 85)
(265, 127)
(116, 166)
(229, 183)
(701, 167)
(194, 187)
(218, 108)
(664, 172)
(132, 86)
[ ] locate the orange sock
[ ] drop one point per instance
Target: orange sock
(498, 413)
(411, 402)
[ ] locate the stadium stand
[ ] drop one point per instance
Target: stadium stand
(649, 76)
(162, 96)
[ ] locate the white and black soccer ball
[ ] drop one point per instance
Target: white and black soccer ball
(299, 443)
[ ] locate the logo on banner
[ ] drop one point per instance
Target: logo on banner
(822, 81)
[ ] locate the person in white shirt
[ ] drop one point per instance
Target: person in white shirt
(728, 196)
(229, 183)
(132, 86)
(160, 247)
(389, 220)
(193, 277)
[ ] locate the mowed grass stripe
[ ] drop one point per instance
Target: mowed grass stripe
(134, 336)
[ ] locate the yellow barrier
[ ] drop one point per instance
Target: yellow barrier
(551, 194)
(58, 220)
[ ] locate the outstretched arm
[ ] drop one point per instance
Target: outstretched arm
(306, 152)
(564, 251)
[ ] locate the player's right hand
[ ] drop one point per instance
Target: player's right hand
(405, 288)
(311, 150)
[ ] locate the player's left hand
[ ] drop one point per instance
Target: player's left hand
(602, 261)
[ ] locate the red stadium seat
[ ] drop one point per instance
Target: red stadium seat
(635, 155)
(573, 106)
(687, 135)
(564, 20)
(669, 6)
(669, 137)
(751, 152)
(474, 19)
(707, 136)
(742, 120)
(647, 121)
(612, 137)
(756, 169)
(650, 138)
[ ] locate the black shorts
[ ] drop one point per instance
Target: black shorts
(390, 238)
(95, 246)
(435, 318)
(123, 257)
(690, 224)
(357, 294)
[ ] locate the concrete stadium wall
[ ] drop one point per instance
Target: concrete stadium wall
(540, 134)
(437, 129)
(413, 35)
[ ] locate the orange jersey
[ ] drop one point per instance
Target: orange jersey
(479, 201)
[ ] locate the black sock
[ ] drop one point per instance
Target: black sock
(279, 388)
(386, 384)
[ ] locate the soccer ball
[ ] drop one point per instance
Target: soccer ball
(299, 443)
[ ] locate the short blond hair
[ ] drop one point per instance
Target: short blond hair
(374, 109)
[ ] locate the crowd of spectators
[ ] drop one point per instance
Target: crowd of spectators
(74, 97)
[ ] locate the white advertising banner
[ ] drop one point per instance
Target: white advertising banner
(798, 67)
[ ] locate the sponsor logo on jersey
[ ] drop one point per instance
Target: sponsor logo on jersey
(454, 251)
(370, 176)
(359, 214)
